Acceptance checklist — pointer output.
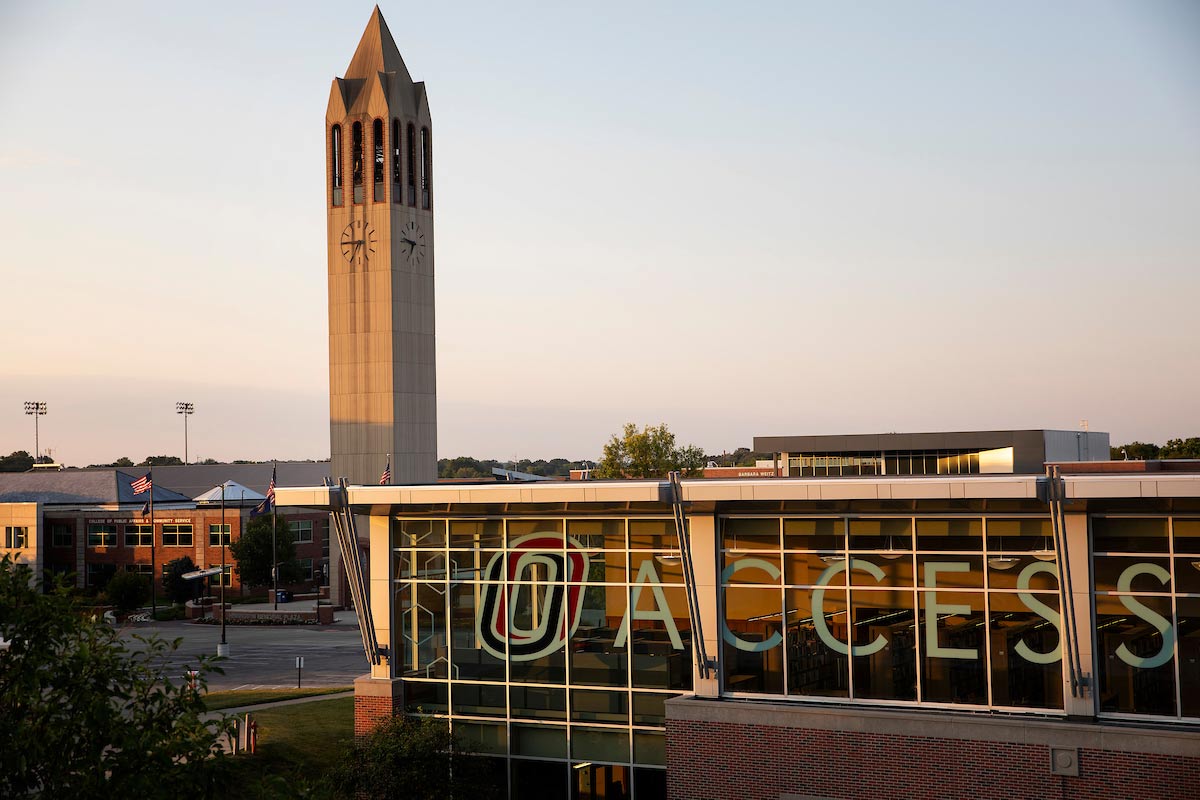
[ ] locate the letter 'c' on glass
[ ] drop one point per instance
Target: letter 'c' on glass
(818, 609)
(776, 638)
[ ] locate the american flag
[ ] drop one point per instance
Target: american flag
(269, 501)
(142, 484)
(386, 477)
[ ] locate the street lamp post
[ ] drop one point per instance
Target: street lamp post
(223, 647)
(186, 409)
(36, 408)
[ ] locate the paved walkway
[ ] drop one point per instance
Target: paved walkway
(224, 712)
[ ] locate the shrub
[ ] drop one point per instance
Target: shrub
(127, 591)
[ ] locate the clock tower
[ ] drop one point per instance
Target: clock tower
(379, 200)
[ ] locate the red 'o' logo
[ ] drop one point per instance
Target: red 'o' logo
(558, 614)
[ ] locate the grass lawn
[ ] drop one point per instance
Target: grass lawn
(301, 741)
(248, 697)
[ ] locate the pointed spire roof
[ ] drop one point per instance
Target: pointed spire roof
(376, 52)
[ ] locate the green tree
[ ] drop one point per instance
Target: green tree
(123, 461)
(1135, 451)
(176, 588)
(1181, 448)
(127, 591)
(161, 461)
(85, 715)
(648, 453)
(416, 759)
(17, 461)
(252, 552)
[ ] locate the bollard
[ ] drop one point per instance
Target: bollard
(235, 738)
(253, 736)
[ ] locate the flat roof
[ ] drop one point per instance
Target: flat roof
(1114, 485)
(934, 440)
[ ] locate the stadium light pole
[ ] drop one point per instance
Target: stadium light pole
(186, 409)
(36, 408)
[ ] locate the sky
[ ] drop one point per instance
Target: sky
(738, 219)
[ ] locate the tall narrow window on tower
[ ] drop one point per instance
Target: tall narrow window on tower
(412, 165)
(356, 161)
(397, 188)
(377, 172)
(425, 165)
(335, 149)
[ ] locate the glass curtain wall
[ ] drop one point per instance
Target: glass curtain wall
(1146, 573)
(900, 609)
(551, 643)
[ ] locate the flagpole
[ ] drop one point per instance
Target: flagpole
(153, 561)
(222, 648)
(274, 552)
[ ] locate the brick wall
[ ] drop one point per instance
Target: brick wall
(370, 710)
(715, 760)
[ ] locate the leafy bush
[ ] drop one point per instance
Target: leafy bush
(177, 589)
(412, 758)
(85, 715)
(127, 591)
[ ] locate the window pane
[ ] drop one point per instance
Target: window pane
(1026, 653)
(472, 660)
(1187, 535)
(538, 702)
(949, 534)
(426, 697)
(599, 706)
(479, 699)
(537, 780)
(808, 569)
(596, 656)
(546, 741)
(653, 534)
(953, 638)
(419, 533)
(602, 781)
(817, 663)
(884, 638)
(1019, 535)
(1036, 573)
(950, 571)
(1137, 670)
(599, 744)
(1132, 574)
(814, 534)
(752, 568)
(536, 629)
(1118, 535)
(881, 534)
(752, 640)
(650, 708)
(661, 638)
(483, 737)
(751, 534)
(883, 569)
(598, 534)
(476, 533)
(1189, 655)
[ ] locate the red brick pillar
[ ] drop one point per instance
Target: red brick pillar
(375, 699)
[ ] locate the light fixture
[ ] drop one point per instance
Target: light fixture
(1196, 564)
(668, 558)
(1002, 562)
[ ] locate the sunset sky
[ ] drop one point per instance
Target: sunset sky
(738, 219)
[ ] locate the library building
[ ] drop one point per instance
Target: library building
(876, 636)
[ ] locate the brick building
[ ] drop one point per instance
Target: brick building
(91, 524)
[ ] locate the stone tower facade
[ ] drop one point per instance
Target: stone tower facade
(379, 196)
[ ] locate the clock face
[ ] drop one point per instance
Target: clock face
(411, 242)
(358, 242)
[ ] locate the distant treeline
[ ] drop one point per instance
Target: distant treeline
(1143, 451)
(467, 467)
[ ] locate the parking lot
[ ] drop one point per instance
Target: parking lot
(264, 656)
